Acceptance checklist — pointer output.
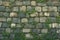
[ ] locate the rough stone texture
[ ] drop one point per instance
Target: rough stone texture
(26, 19)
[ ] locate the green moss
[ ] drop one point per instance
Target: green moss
(41, 1)
(30, 12)
(58, 19)
(19, 36)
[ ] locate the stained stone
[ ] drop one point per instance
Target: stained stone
(41, 4)
(15, 9)
(23, 8)
(49, 4)
(17, 30)
(38, 8)
(44, 30)
(26, 2)
(26, 30)
(23, 20)
(53, 14)
(1, 14)
(8, 30)
(52, 19)
(1, 36)
(52, 8)
(28, 26)
(1, 2)
(35, 14)
(59, 26)
(18, 25)
(16, 20)
(33, 3)
(12, 0)
(13, 14)
(36, 31)
(2, 8)
(8, 9)
(3, 19)
(22, 15)
(36, 19)
(54, 25)
(1, 30)
(9, 19)
(6, 3)
(31, 19)
(58, 8)
(28, 36)
(5, 25)
(42, 19)
(12, 36)
(40, 14)
(39, 25)
(45, 8)
(29, 8)
(6, 14)
(0, 24)
(18, 3)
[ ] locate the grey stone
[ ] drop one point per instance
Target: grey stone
(36, 31)
(8, 9)
(15, 9)
(26, 2)
(58, 8)
(41, 4)
(1, 14)
(50, 4)
(31, 19)
(18, 25)
(5, 25)
(12, 0)
(12, 36)
(52, 19)
(44, 30)
(6, 14)
(1, 2)
(29, 8)
(53, 14)
(39, 25)
(29, 26)
(17, 30)
(3, 19)
(18, 3)
(22, 15)
(36, 19)
(16, 20)
(0, 24)
(2, 30)
(2, 8)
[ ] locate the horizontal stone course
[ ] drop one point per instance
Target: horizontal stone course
(25, 18)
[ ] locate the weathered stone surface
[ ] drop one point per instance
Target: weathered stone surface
(13, 14)
(2, 8)
(38, 8)
(33, 3)
(23, 8)
(26, 30)
(2, 19)
(23, 20)
(16, 20)
(13, 25)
